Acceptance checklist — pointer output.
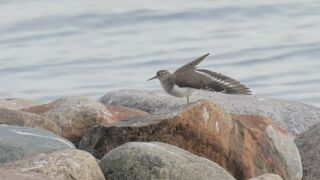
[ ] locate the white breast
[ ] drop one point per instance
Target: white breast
(181, 91)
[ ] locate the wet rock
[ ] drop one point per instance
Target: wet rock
(294, 116)
(155, 160)
(246, 146)
(16, 103)
(267, 177)
(13, 117)
(73, 115)
(20, 142)
(59, 165)
(309, 147)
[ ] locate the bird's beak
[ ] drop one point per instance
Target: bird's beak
(155, 77)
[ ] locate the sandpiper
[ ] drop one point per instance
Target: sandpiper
(188, 78)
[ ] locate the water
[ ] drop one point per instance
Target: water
(50, 49)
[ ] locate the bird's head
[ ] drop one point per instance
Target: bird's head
(161, 75)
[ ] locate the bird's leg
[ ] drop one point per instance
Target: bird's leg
(188, 99)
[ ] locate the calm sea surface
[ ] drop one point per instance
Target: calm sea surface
(50, 49)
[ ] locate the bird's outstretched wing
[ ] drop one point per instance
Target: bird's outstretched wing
(211, 81)
(191, 65)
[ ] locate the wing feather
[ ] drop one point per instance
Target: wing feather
(191, 65)
(211, 81)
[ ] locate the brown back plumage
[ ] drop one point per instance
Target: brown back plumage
(189, 76)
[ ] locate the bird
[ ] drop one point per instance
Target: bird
(188, 78)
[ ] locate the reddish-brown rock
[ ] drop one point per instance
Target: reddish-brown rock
(38, 109)
(246, 146)
(16, 103)
(122, 113)
(13, 117)
(73, 115)
(59, 165)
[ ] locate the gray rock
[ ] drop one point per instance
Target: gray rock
(13, 174)
(267, 177)
(309, 147)
(294, 116)
(21, 142)
(154, 160)
(287, 151)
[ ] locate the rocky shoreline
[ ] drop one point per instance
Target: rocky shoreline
(136, 134)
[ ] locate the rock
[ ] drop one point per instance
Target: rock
(59, 165)
(13, 117)
(246, 146)
(309, 147)
(20, 142)
(155, 160)
(13, 174)
(267, 177)
(122, 113)
(16, 103)
(73, 115)
(294, 116)
(287, 151)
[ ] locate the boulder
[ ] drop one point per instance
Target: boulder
(294, 116)
(309, 147)
(245, 145)
(60, 165)
(267, 177)
(123, 113)
(16, 103)
(73, 115)
(155, 160)
(20, 142)
(13, 174)
(13, 117)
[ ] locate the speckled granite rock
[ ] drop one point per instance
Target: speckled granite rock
(294, 116)
(155, 160)
(20, 142)
(308, 144)
(13, 174)
(16, 103)
(73, 115)
(59, 165)
(287, 151)
(13, 117)
(246, 146)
